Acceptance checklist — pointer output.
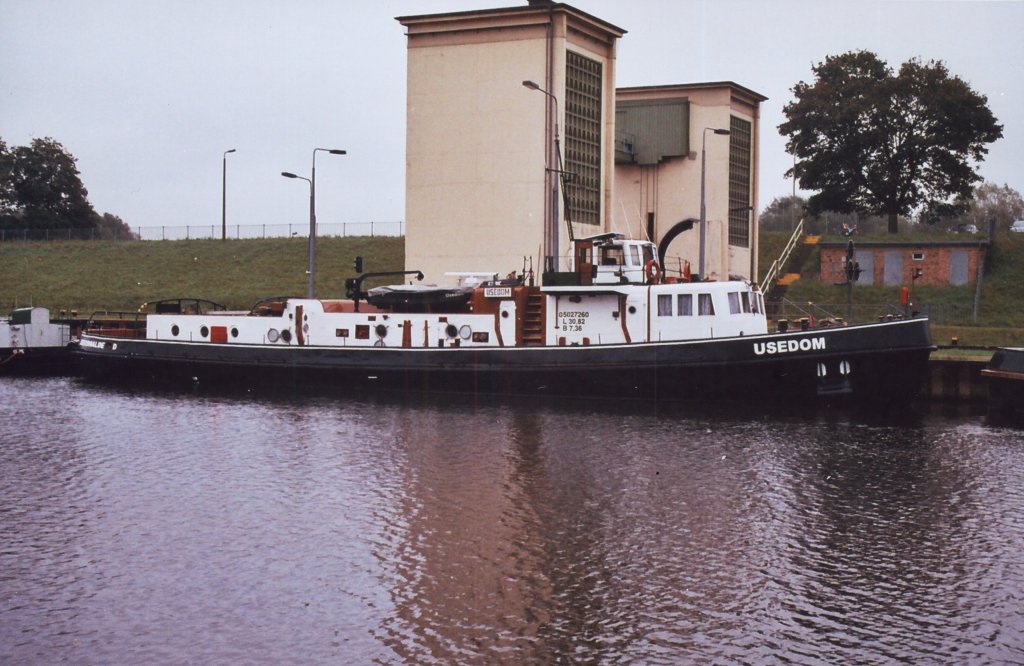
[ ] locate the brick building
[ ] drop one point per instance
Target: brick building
(895, 263)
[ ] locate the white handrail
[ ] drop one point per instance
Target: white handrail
(773, 272)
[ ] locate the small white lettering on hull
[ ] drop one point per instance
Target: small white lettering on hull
(498, 292)
(572, 321)
(787, 346)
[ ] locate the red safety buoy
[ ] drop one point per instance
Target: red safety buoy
(653, 271)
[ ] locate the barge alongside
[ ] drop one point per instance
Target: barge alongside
(1005, 375)
(30, 344)
(614, 326)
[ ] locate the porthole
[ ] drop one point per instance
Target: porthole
(273, 335)
(175, 330)
(451, 331)
(465, 332)
(286, 335)
(204, 332)
(822, 371)
(504, 314)
(381, 330)
(234, 332)
(844, 367)
(632, 309)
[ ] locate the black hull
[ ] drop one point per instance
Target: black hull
(38, 362)
(1005, 375)
(877, 363)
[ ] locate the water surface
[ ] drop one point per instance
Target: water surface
(143, 527)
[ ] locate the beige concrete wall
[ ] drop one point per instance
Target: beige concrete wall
(477, 140)
(671, 189)
(474, 157)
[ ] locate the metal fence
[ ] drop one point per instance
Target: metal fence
(195, 231)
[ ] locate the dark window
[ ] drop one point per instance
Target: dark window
(734, 302)
(704, 304)
(739, 182)
(583, 88)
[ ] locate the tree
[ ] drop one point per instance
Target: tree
(872, 141)
(782, 213)
(990, 201)
(111, 227)
(42, 189)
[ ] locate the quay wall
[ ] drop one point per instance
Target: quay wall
(955, 380)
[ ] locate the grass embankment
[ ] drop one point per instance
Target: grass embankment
(1000, 315)
(120, 275)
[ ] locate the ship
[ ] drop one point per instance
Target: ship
(30, 344)
(614, 325)
(1005, 377)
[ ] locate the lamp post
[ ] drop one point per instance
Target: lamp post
(224, 195)
(703, 211)
(551, 233)
(311, 291)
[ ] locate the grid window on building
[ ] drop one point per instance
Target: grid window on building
(583, 86)
(739, 182)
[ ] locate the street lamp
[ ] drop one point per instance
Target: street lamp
(224, 195)
(549, 172)
(312, 213)
(703, 211)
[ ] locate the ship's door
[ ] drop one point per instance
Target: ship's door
(585, 262)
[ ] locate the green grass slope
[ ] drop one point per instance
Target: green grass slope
(111, 275)
(1000, 316)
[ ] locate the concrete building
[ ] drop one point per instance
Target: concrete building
(480, 165)
(666, 141)
(485, 152)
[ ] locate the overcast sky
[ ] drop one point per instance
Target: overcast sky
(148, 95)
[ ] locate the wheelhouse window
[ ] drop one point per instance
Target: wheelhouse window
(745, 301)
(734, 302)
(583, 92)
(611, 256)
(634, 255)
(704, 304)
(685, 305)
(664, 305)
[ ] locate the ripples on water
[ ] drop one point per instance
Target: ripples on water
(166, 528)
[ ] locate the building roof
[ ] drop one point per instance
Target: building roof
(531, 9)
(684, 88)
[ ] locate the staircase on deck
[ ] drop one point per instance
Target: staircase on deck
(533, 320)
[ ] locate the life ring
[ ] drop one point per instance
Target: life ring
(653, 271)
